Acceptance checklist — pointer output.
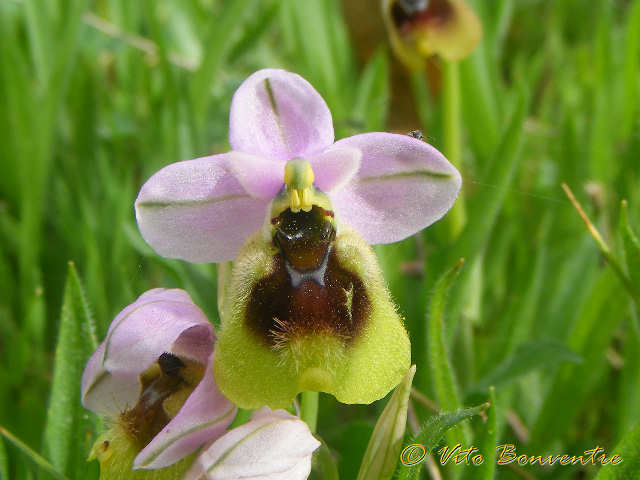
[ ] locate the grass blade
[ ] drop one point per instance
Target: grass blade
(372, 100)
(604, 248)
(76, 341)
(217, 46)
(631, 245)
(4, 462)
(442, 372)
(629, 450)
(40, 462)
(527, 358)
(631, 69)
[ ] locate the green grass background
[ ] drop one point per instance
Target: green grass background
(95, 96)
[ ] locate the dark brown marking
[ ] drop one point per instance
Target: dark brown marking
(148, 417)
(170, 364)
(308, 292)
(407, 14)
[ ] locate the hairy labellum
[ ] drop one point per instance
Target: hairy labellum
(308, 310)
(308, 291)
(164, 387)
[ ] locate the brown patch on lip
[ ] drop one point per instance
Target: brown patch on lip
(307, 291)
(278, 311)
(166, 377)
(437, 13)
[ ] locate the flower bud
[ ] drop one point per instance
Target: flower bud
(421, 28)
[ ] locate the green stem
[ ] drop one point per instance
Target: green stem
(309, 409)
(452, 135)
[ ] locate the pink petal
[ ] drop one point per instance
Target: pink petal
(261, 177)
(335, 167)
(278, 115)
(204, 417)
(403, 185)
(102, 392)
(272, 446)
(197, 211)
(150, 326)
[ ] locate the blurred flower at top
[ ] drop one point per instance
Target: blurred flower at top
(421, 28)
(307, 308)
(151, 378)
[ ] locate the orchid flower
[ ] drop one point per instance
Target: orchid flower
(152, 378)
(421, 28)
(307, 308)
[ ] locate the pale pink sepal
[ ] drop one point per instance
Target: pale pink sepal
(198, 211)
(279, 115)
(402, 186)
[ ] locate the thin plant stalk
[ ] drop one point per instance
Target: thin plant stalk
(309, 409)
(452, 137)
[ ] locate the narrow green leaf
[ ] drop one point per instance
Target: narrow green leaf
(631, 245)
(39, 30)
(431, 433)
(601, 141)
(37, 460)
(598, 319)
(632, 54)
(604, 248)
(527, 358)
(76, 341)
(372, 101)
(4, 461)
(487, 203)
(629, 450)
(442, 372)
(217, 46)
(254, 32)
(380, 459)
(480, 105)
